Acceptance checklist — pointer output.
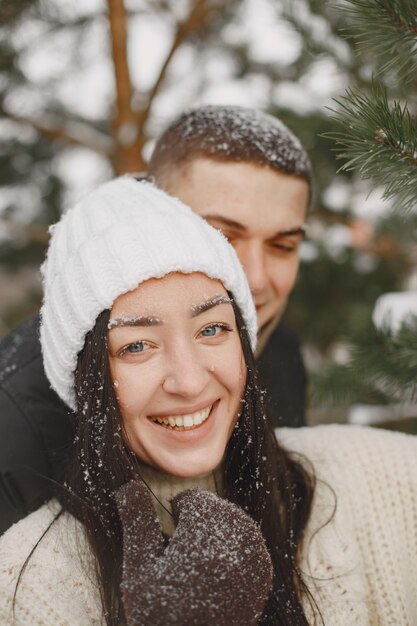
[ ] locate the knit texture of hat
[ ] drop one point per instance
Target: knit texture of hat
(118, 236)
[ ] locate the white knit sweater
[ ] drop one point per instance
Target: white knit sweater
(361, 567)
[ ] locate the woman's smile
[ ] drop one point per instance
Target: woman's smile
(181, 422)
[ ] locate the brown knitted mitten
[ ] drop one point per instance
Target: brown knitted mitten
(216, 570)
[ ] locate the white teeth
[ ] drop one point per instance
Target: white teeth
(184, 421)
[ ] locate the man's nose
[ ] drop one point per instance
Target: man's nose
(252, 257)
(187, 373)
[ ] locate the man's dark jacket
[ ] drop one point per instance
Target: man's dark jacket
(36, 428)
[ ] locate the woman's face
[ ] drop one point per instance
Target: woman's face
(177, 365)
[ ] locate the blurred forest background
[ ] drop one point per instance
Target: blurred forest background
(86, 87)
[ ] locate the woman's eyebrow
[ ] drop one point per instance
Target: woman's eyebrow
(197, 309)
(143, 320)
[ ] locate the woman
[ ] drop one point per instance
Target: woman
(147, 330)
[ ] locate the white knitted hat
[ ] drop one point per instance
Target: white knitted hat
(115, 238)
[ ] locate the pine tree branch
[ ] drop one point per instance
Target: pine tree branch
(389, 360)
(302, 17)
(340, 386)
(402, 22)
(379, 141)
(382, 369)
(387, 29)
(73, 133)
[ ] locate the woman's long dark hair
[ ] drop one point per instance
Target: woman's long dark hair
(259, 476)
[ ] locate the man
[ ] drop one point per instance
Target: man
(248, 175)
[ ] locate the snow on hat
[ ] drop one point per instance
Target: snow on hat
(118, 236)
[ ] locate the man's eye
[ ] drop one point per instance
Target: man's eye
(284, 247)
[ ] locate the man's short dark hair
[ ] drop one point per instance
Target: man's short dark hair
(230, 133)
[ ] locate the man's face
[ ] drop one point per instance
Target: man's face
(260, 211)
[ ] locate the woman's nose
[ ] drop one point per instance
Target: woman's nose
(188, 374)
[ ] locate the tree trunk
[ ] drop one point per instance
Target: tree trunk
(127, 156)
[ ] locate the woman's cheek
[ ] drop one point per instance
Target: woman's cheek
(125, 386)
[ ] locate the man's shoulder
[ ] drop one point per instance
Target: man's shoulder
(284, 337)
(282, 348)
(35, 427)
(283, 375)
(23, 382)
(19, 350)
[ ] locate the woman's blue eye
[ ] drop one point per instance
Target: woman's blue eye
(209, 331)
(133, 348)
(214, 329)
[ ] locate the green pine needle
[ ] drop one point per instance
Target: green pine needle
(382, 369)
(387, 29)
(389, 361)
(379, 140)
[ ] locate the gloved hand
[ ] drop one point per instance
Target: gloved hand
(216, 570)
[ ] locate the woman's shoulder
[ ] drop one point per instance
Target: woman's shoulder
(363, 522)
(363, 462)
(368, 472)
(337, 444)
(48, 553)
(20, 538)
